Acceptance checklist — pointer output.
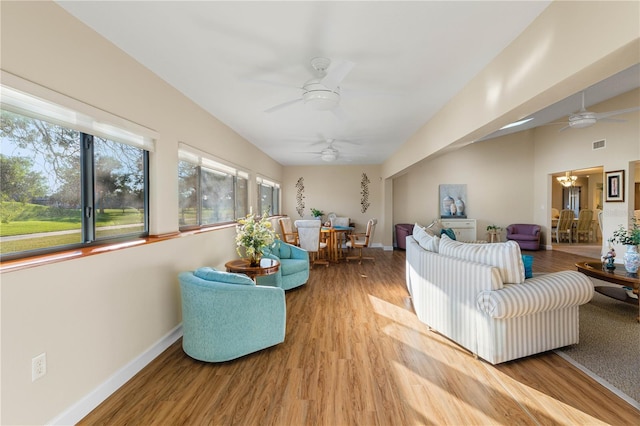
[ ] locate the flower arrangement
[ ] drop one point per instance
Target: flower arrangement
(627, 237)
(494, 228)
(253, 236)
(316, 212)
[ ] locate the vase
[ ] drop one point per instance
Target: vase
(631, 259)
(460, 206)
(447, 202)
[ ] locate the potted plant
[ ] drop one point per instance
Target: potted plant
(317, 213)
(494, 232)
(253, 237)
(629, 237)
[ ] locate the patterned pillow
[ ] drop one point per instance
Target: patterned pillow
(425, 240)
(504, 256)
(210, 274)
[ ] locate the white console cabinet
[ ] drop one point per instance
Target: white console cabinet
(465, 229)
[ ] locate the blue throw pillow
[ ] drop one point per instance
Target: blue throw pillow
(449, 233)
(528, 265)
(210, 274)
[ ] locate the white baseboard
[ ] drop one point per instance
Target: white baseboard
(84, 406)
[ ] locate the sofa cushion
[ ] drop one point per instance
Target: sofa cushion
(504, 256)
(292, 266)
(211, 274)
(424, 239)
(523, 237)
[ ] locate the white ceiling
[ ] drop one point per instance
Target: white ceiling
(237, 59)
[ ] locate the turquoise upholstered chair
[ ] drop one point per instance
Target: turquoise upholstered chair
(226, 316)
(294, 266)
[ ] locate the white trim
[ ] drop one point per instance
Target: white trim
(84, 406)
(27, 98)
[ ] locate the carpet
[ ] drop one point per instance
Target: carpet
(609, 347)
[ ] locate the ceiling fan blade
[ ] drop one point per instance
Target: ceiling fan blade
(612, 120)
(336, 74)
(282, 105)
(564, 128)
(600, 115)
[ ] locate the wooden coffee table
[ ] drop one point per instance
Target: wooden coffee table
(242, 266)
(618, 276)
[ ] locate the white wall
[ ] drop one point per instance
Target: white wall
(92, 316)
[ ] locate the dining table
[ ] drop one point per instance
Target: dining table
(334, 236)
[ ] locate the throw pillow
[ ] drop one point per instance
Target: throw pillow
(424, 239)
(504, 256)
(527, 260)
(449, 233)
(434, 228)
(211, 274)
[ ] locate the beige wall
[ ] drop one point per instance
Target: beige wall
(572, 150)
(498, 178)
(93, 316)
(336, 189)
(509, 178)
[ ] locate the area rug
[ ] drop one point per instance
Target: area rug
(609, 347)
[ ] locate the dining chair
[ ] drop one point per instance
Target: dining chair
(565, 225)
(343, 222)
(360, 241)
(584, 227)
(309, 239)
(289, 236)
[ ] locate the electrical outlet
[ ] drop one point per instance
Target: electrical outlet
(38, 366)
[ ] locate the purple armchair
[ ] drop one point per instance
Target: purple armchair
(527, 236)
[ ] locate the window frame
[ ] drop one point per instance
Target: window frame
(205, 162)
(33, 101)
(275, 196)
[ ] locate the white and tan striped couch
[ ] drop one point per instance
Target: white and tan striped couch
(470, 302)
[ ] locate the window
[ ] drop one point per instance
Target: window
(211, 193)
(268, 197)
(63, 186)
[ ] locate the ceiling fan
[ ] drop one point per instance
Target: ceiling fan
(321, 92)
(331, 153)
(584, 118)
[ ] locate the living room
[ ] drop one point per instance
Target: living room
(95, 320)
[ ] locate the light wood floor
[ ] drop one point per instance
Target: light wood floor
(355, 354)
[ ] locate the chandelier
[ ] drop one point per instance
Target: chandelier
(567, 180)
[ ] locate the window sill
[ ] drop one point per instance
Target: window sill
(61, 256)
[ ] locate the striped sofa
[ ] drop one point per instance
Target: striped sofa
(477, 296)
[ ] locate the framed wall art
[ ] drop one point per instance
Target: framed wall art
(614, 182)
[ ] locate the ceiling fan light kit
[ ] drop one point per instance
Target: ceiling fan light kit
(580, 121)
(320, 97)
(329, 155)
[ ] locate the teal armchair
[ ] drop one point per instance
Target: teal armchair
(294, 266)
(226, 316)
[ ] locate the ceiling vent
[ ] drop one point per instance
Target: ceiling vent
(599, 144)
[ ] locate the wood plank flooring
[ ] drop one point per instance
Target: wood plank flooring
(355, 354)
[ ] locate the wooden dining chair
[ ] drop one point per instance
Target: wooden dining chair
(584, 227)
(288, 234)
(360, 241)
(565, 225)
